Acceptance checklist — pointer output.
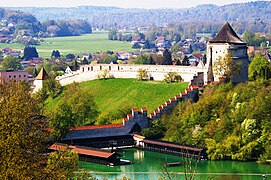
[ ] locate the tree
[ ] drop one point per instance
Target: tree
(147, 45)
(142, 74)
(77, 108)
(144, 59)
(70, 56)
(30, 52)
(225, 67)
(62, 164)
(21, 133)
(136, 46)
(11, 63)
(258, 67)
(104, 74)
(167, 59)
(185, 61)
(55, 54)
(52, 87)
(112, 34)
(172, 77)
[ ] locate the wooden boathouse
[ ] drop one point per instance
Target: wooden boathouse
(174, 149)
(89, 154)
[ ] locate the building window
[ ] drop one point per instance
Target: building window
(91, 68)
(9, 76)
(109, 68)
(101, 67)
(24, 75)
(14, 76)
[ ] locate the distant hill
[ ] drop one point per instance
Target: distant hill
(18, 23)
(256, 13)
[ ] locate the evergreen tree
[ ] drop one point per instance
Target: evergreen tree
(167, 59)
(30, 52)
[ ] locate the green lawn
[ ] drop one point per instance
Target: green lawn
(113, 94)
(95, 42)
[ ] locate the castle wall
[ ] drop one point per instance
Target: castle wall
(156, 72)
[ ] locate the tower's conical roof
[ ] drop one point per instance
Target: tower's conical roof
(227, 35)
(42, 75)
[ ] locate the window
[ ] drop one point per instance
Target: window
(14, 76)
(24, 75)
(9, 76)
(20, 76)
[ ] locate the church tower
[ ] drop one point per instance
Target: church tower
(38, 82)
(227, 41)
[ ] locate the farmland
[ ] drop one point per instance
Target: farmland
(88, 43)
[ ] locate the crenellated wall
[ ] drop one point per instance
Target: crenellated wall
(141, 116)
(144, 121)
(156, 72)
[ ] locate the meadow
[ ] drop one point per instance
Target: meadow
(114, 95)
(88, 43)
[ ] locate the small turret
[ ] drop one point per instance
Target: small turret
(38, 82)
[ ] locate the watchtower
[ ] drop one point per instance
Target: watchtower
(227, 41)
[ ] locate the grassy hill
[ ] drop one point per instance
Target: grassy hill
(95, 42)
(115, 95)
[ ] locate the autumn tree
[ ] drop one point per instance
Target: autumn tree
(172, 77)
(225, 67)
(21, 133)
(62, 164)
(105, 74)
(142, 74)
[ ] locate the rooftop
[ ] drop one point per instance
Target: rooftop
(42, 75)
(227, 35)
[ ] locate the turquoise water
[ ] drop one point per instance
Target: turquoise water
(147, 165)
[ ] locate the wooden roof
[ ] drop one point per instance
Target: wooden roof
(91, 152)
(81, 150)
(227, 35)
(42, 75)
(172, 145)
(80, 128)
(59, 147)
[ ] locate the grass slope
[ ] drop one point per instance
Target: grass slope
(113, 94)
(95, 42)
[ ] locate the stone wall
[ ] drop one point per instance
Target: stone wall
(156, 72)
(141, 116)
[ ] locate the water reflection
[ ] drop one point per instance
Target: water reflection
(148, 165)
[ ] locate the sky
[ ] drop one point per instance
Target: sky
(119, 3)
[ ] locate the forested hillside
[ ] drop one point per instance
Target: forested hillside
(19, 23)
(252, 16)
(233, 122)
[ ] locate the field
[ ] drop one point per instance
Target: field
(114, 94)
(92, 43)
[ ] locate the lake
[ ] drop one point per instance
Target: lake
(147, 165)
